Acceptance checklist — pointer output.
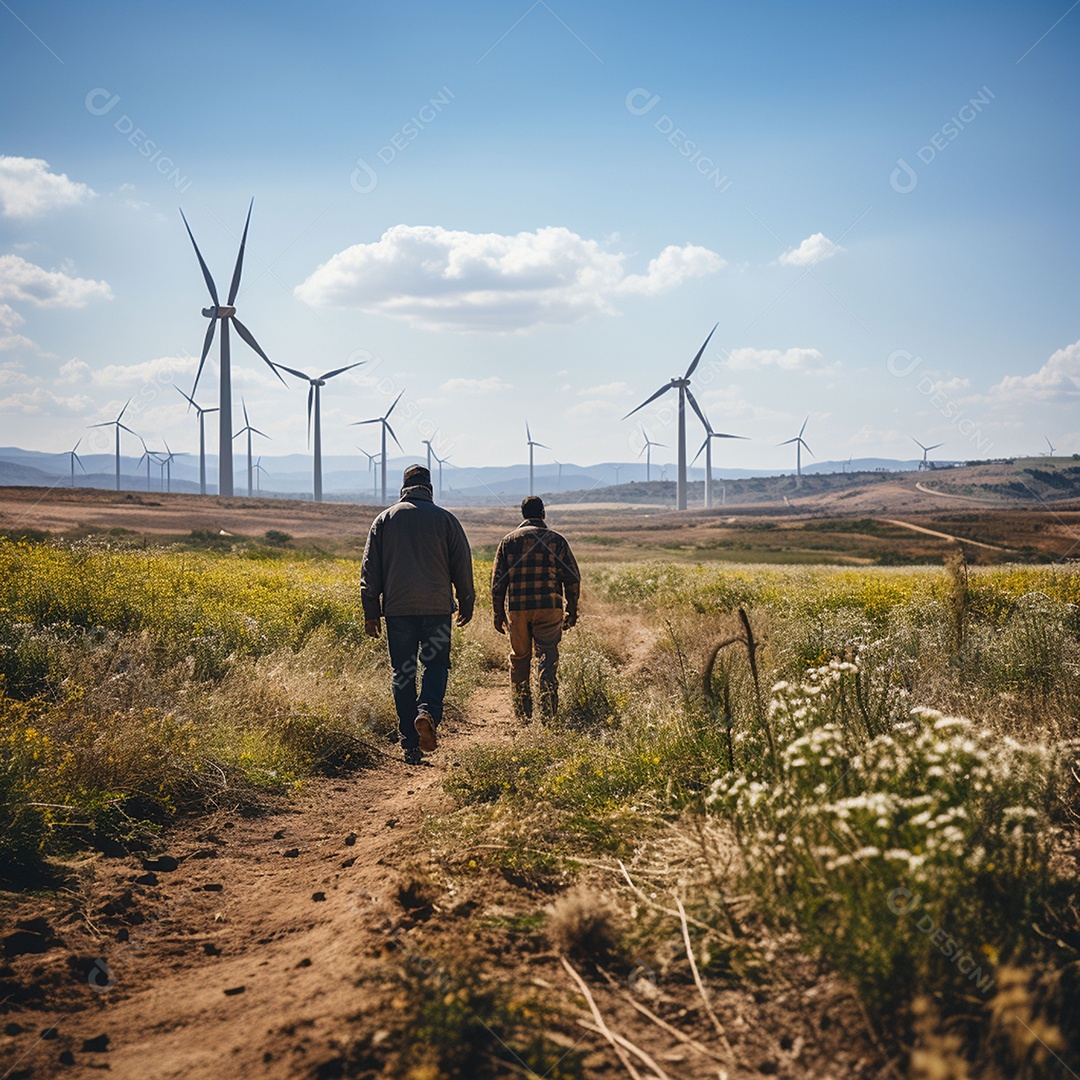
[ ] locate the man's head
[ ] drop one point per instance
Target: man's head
(416, 476)
(532, 507)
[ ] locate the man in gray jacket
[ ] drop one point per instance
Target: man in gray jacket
(416, 559)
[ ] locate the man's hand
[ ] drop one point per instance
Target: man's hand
(570, 620)
(372, 627)
(500, 623)
(463, 618)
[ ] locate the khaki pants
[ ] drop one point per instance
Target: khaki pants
(537, 631)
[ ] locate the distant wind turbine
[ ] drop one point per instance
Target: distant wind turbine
(647, 451)
(202, 436)
(259, 471)
(315, 385)
(560, 464)
(617, 469)
(147, 455)
(683, 386)
(118, 425)
(1051, 445)
(226, 313)
(250, 431)
(707, 447)
(75, 457)
(372, 458)
(384, 420)
(925, 464)
(441, 461)
(799, 442)
(532, 446)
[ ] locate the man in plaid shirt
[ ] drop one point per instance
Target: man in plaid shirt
(534, 569)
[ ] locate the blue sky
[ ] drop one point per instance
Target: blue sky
(543, 242)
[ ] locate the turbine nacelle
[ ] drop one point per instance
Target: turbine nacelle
(223, 312)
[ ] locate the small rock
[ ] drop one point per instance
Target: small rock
(348, 862)
(97, 1045)
(164, 863)
(768, 1067)
(66, 1057)
(350, 839)
(50, 1033)
(213, 886)
(149, 878)
(392, 822)
(234, 990)
(292, 853)
(318, 896)
(306, 962)
(123, 934)
(204, 853)
(210, 949)
(279, 835)
(13, 1029)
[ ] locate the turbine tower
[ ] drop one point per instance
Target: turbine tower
(75, 457)
(147, 454)
(167, 463)
(532, 446)
(617, 469)
(707, 447)
(259, 471)
(440, 460)
(647, 451)
(250, 431)
(925, 464)
(118, 425)
(314, 399)
(225, 313)
(372, 458)
(202, 437)
(683, 386)
(384, 420)
(1050, 444)
(799, 442)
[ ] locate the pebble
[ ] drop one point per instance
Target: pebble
(234, 990)
(292, 853)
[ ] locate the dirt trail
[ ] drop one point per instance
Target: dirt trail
(942, 535)
(241, 910)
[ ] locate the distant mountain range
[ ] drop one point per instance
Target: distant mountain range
(349, 478)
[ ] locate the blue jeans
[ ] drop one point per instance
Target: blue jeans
(426, 636)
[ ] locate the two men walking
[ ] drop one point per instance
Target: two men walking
(417, 560)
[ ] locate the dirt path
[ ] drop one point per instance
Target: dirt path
(243, 959)
(943, 536)
(946, 495)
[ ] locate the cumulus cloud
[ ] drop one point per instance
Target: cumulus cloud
(24, 281)
(28, 189)
(41, 400)
(813, 249)
(807, 361)
(475, 386)
(9, 320)
(1057, 380)
(611, 389)
(443, 279)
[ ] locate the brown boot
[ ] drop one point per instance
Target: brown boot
(549, 701)
(522, 698)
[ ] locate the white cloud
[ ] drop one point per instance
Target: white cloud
(443, 279)
(25, 281)
(593, 408)
(813, 249)
(611, 389)
(28, 189)
(159, 370)
(807, 361)
(474, 386)
(40, 400)
(1057, 380)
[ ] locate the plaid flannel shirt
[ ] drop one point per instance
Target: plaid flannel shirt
(534, 567)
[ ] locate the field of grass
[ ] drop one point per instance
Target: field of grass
(882, 762)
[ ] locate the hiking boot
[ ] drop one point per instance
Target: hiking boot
(425, 729)
(522, 697)
(549, 702)
(413, 755)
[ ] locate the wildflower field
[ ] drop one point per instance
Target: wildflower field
(878, 764)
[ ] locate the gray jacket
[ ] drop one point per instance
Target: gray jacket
(415, 559)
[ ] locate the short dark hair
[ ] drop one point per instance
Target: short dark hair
(532, 507)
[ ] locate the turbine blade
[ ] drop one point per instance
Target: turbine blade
(373, 420)
(128, 430)
(123, 410)
(338, 371)
(386, 415)
(648, 401)
(697, 408)
(293, 371)
(79, 460)
(788, 442)
(234, 288)
(935, 446)
(803, 428)
(528, 433)
(246, 334)
(255, 431)
(244, 403)
(202, 263)
(807, 448)
(697, 359)
(76, 446)
(391, 430)
(723, 435)
(189, 400)
(310, 402)
(207, 342)
(700, 449)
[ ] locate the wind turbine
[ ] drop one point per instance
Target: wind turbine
(259, 470)
(202, 437)
(314, 399)
(532, 446)
(925, 464)
(1051, 445)
(617, 469)
(707, 447)
(799, 442)
(384, 420)
(147, 454)
(250, 431)
(118, 425)
(560, 464)
(372, 458)
(683, 386)
(440, 460)
(167, 461)
(226, 313)
(647, 451)
(427, 443)
(75, 457)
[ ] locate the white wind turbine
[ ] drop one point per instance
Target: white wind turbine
(202, 436)
(925, 463)
(250, 431)
(315, 385)
(800, 443)
(117, 423)
(384, 421)
(532, 445)
(647, 451)
(75, 457)
(707, 447)
(683, 386)
(372, 458)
